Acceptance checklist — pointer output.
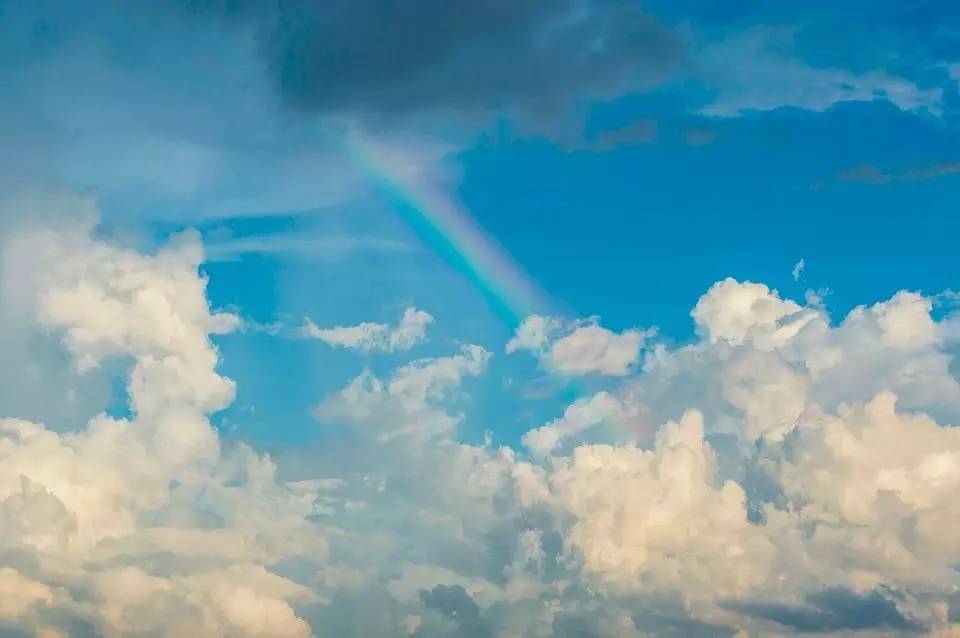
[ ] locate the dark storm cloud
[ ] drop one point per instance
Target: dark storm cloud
(832, 610)
(389, 57)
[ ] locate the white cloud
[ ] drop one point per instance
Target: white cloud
(653, 519)
(18, 594)
(116, 493)
(764, 360)
(738, 312)
(783, 467)
(857, 476)
(533, 334)
(848, 492)
(578, 348)
(375, 337)
(581, 415)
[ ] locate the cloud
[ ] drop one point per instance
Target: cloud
(375, 337)
(653, 518)
(798, 269)
(193, 134)
(737, 312)
(406, 404)
(578, 348)
(842, 482)
(834, 610)
(379, 58)
(327, 247)
(768, 358)
(106, 514)
(457, 605)
(871, 174)
(658, 520)
(782, 472)
(881, 462)
(19, 594)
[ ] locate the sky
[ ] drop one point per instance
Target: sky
(509, 319)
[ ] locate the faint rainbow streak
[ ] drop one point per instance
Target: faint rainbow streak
(443, 225)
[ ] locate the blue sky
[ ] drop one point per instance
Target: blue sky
(623, 159)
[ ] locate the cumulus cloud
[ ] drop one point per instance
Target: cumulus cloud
(103, 517)
(375, 337)
(758, 547)
(736, 312)
(884, 467)
(654, 519)
(774, 502)
(579, 347)
(783, 472)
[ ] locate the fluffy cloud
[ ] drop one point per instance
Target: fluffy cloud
(375, 337)
(578, 348)
(407, 403)
(18, 594)
(653, 519)
(801, 477)
(769, 359)
(738, 312)
(830, 486)
(875, 480)
(816, 491)
(106, 512)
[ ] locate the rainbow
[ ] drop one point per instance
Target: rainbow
(442, 223)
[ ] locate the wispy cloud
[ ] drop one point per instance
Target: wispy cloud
(759, 69)
(329, 247)
(798, 268)
(374, 337)
(873, 174)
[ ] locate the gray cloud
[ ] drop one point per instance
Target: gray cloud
(833, 610)
(381, 58)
